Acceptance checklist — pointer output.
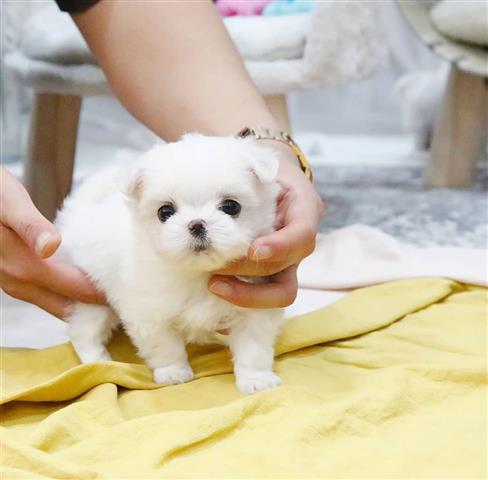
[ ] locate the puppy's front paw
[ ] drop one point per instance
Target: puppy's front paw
(173, 374)
(252, 381)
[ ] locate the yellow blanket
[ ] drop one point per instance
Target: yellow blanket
(388, 382)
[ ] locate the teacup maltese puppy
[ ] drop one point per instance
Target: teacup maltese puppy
(150, 237)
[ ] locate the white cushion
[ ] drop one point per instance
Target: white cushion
(51, 36)
(465, 20)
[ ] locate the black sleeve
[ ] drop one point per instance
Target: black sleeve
(75, 5)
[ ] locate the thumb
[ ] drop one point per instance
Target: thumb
(20, 215)
(290, 244)
(39, 233)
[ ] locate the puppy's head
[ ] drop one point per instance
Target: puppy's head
(203, 200)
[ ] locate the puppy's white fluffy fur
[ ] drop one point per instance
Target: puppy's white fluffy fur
(155, 273)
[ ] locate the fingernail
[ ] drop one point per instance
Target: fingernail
(262, 253)
(221, 288)
(42, 241)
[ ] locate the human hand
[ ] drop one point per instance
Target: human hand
(27, 239)
(278, 254)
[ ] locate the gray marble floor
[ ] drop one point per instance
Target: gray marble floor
(394, 200)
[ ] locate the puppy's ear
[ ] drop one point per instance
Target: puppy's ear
(264, 164)
(134, 184)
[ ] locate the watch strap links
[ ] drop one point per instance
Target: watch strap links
(267, 134)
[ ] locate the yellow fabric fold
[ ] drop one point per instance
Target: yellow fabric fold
(388, 382)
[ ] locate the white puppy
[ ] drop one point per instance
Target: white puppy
(151, 235)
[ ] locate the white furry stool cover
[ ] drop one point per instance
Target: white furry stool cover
(337, 42)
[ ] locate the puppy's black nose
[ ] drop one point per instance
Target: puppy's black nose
(197, 228)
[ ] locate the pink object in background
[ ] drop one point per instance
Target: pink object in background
(229, 8)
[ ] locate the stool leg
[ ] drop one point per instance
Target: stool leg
(279, 109)
(460, 132)
(50, 157)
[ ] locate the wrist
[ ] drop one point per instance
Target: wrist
(289, 148)
(287, 156)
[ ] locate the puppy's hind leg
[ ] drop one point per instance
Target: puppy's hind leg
(90, 328)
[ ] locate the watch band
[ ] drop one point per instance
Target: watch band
(283, 137)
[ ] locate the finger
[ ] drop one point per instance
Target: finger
(51, 302)
(70, 282)
(20, 214)
(61, 278)
(280, 292)
(246, 267)
(290, 244)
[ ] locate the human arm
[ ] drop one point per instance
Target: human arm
(182, 73)
(174, 67)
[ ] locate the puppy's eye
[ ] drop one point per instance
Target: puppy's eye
(230, 207)
(166, 211)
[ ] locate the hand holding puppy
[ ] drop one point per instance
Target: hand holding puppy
(194, 31)
(279, 253)
(27, 241)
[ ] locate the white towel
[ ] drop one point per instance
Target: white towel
(359, 255)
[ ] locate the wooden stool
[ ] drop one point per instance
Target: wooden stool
(460, 132)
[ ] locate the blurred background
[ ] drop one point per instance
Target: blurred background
(366, 123)
(366, 107)
(360, 136)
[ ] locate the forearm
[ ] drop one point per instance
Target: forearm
(173, 66)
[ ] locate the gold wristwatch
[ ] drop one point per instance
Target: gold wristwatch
(283, 137)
